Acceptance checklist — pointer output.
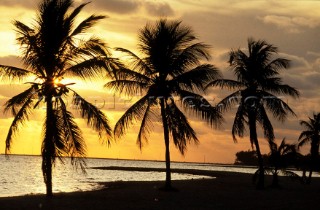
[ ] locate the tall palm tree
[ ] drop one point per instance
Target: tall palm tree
(257, 81)
(52, 49)
(311, 135)
(169, 70)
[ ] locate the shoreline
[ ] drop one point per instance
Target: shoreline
(125, 159)
(229, 190)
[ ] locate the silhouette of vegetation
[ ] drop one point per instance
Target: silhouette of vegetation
(53, 47)
(311, 135)
(279, 159)
(246, 158)
(168, 71)
(257, 81)
(170, 68)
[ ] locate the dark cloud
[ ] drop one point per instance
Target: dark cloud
(30, 4)
(118, 6)
(231, 31)
(313, 78)
(11, 61)
(8, 90)
(132, 6)
(158, 9)
(291, 24)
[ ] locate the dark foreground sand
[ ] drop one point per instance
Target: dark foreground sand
(227, 191)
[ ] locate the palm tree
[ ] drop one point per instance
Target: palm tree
(257, 81)
(280, 158)
(170, 68)
(311, 134)
(52, 49)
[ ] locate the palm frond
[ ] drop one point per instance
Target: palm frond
(306, 134)
(136, 63)
(291, 174)
(95, 47)
(190, 56)
(238, 62)
(283, 90)
(201, 108)
(13, 73)
(53, 144)
(135, 113)
(232, 100)
(305, 137)
(95, 118)
(179, 127)
(197, 78)
(264, 121)
(71, 18)
(288, 149)
(88, 58)
(181, 35)
(307, 125)
(74, 138)
(87, 69)
(238, 127)
(86, 24)
(22, 28)
(19, 100)
(27, 38)
(225, 83)
(128, 87)
(20, 117)
(128, 74)
(283, 145)
(145, 126)
(273, 147)
(165, 41)
(277, 106)
(277, 64)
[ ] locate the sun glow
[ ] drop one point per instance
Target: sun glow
(57, 81)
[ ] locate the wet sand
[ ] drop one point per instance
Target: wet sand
(227, 190)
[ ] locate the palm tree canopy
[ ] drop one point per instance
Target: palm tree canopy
(169, 69)
(53, 48)
(257, 86)
(283, 155)
(311, 134)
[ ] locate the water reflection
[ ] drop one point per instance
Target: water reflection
(25, 175)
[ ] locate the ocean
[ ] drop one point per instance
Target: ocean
(22, 175)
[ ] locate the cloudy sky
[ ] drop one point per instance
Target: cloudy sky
(291, 25)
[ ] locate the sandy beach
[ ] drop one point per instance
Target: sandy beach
(226, 191)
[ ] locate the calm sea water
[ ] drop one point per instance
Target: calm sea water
(21, 175)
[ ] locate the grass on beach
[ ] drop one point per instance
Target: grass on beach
(228, 190)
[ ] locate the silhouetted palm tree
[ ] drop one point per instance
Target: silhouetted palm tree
(257, 81)
(280, 158)
(52, 49)
(311, 135)
(170, 68)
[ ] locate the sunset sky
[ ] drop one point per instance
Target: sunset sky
(291, 25)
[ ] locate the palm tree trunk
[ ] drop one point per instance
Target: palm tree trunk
(167, 144)
(275, 181)
(254, 139)
(47, 171)
(304, 178)
(314, 158)
(309, 177)
(47, 149)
